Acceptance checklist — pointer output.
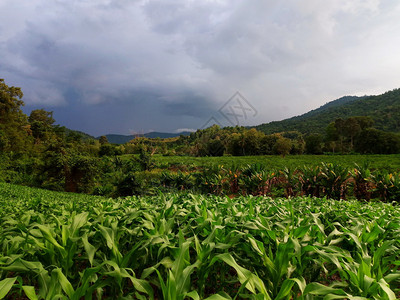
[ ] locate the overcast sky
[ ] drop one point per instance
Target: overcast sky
(123, 66)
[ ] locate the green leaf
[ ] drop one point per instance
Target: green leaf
(89, 248)
(108, 235)
(30, 292)
(163, 285)
(371, 236)
(6, 285)
(219, 296)
(391, 277)
(386, 289)
(180, 260)
(315, 288)
(253, 282)
(142, 286)
(171, 286)
(65, 284)
(285, 289)
(193, 294)
(49, 236)
(166, 262)
(20, 265)
(77, 222)
(184, 279)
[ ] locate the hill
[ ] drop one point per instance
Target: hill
(82, 135)
(122, 139)
(383, 109)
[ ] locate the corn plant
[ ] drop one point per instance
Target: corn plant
(190, 246)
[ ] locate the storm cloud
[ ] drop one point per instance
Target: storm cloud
(124, 66)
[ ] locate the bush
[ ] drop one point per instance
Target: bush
(145, 159)
(130, 184)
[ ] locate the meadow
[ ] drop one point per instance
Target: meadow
(185, 246)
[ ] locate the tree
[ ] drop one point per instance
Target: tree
(13, 122)
(346, 131)
(10, 102)
(331, 137)
(236, 144)
(331, 132)
(41, 123)
(80, 172)
(252, 142)
(267, 144)
(42, 116)
(314, 144)
(364, 122)
(351, 128)
(298, 146)
(107, 150)
(145, 158)
(282, 146)
(103, 140)
(375, 141)
(215, 147)
(339, 125)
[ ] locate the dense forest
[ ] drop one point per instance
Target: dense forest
(35, 151)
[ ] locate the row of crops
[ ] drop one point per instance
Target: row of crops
(184, 246)
(382, 162)
(325, 180)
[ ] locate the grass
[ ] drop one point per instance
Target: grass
(185, 246)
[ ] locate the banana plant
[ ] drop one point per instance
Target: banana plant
(335, 180)
(310, 180)
(362, 181)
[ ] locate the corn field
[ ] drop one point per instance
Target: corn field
(185, 246)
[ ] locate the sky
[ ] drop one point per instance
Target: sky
(134, 66)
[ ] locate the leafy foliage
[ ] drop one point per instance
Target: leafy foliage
(181, 246)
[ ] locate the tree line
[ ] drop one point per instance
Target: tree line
(37, 152)
(351, 135)
(37, 133)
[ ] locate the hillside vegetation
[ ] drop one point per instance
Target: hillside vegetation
(383, 109)
(35, 152)
(122, 139)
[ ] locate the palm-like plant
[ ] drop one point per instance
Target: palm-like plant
(335, 179)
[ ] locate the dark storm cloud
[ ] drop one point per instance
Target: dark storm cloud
(114, 66)
(138, 115)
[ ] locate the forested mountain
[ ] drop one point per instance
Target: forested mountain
(383, 109)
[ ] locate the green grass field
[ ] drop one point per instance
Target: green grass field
(184, 246)
(383, 162)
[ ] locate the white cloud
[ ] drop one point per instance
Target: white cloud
(179, 130)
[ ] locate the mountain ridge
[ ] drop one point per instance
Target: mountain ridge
(384, 109)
